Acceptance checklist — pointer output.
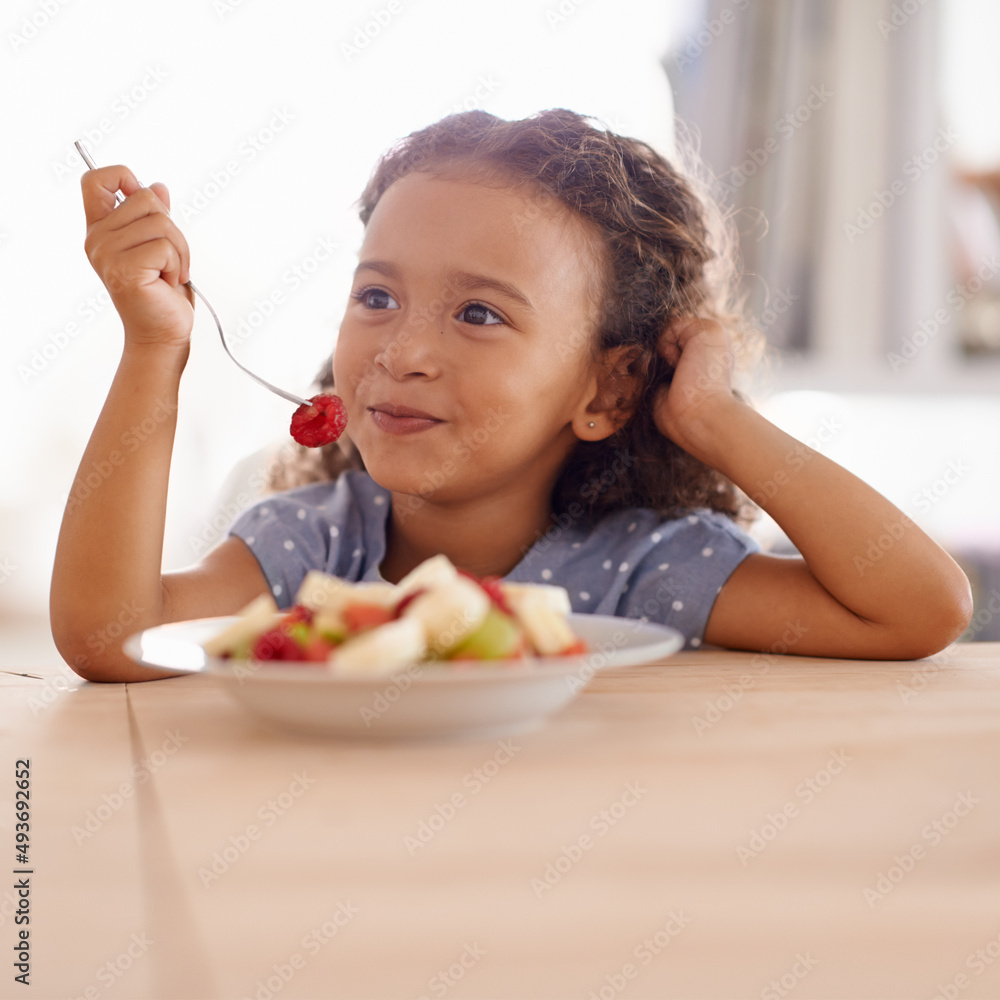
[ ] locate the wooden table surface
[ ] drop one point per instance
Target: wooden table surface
(721, 825)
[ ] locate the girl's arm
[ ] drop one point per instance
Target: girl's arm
(106, 580)
(869, 583)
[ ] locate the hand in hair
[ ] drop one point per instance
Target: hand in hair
(701, 352)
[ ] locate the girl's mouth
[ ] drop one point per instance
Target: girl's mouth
(395, 419)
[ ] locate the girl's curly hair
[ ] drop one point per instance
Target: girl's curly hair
(667, 252)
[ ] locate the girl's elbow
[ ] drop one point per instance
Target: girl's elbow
(959, 608)
(88, 664)
(71, 649)
(90, 656)
(937, 627)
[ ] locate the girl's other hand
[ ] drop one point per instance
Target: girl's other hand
(702, 356)
(140, 255)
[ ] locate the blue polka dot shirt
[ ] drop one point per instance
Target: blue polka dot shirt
(632, 564)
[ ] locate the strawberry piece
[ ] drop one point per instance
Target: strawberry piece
(317, 650)
(491, 584)
(361, 616)
(276, 645)
(298, 613)
(407, 601)
(320, 422)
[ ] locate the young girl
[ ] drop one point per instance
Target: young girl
(536, 368)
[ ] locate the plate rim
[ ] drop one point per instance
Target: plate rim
(539, 667)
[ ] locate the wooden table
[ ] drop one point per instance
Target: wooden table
(722, 825)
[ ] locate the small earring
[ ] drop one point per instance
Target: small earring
(591, 424)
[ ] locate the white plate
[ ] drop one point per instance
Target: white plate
(485, 700)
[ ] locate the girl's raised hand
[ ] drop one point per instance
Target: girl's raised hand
(140, 255)
(702, 355)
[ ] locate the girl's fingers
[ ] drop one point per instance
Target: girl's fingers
(161, 192)
(149, 203)
(151, 223)
(683, 329)
(149, 262)
(99, 187)
(139, 203)
(170, 261)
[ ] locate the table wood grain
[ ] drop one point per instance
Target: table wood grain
(720, 825)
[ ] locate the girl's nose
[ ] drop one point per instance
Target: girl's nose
(412, 352)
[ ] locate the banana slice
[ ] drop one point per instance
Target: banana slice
(434, 572)
(257, 617)
(542, 610)
(381, 650)
(385, 595)
(449, 612)
(319, 590)
(328, 595)
(556, 598)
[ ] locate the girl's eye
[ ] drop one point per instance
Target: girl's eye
(479, 315)
(375, 298)
(475, 313)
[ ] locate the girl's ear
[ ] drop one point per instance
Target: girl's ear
(615, 394)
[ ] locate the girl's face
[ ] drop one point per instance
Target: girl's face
(464, 354)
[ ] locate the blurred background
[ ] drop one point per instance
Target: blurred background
(855, 144)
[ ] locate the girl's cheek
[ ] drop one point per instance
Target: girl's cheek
(353, 369)
(341, 380)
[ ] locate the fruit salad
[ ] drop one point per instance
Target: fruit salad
(435, 613)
